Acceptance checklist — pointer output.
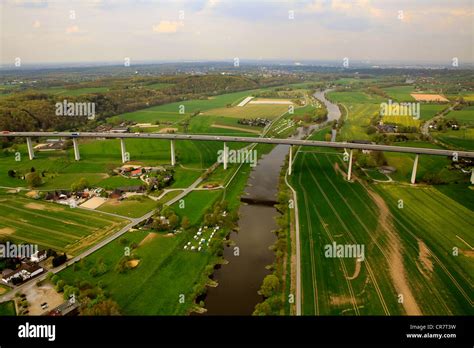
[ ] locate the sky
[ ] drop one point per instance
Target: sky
(61, 31)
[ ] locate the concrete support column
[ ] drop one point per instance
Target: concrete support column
(123, 149)
(472, 176)
(226, 155)
(290, 161)
(77, 155)
(415, 167)
(173, 158)
(31, 152)
(349, 172)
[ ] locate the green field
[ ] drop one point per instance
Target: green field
(154, 287)
(428, 111)
(134, 207)
(355, 125)
(463, 138)
(354, 97)
(396, 243)
(171, 112)
(429, 217)
(439, 165)
(400, 93)
(54, 226)
(461, 193)
(204, 124)
(195, 204)
(99, 156)
(330, 210)
(466, 115)
(407, 121)
(7, 309)
(269, 111)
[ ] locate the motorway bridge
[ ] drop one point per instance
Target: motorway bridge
(455, 155)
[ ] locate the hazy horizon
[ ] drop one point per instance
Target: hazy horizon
(110, 31)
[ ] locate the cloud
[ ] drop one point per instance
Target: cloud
(72, 29)
(167, 27)
(30, 3)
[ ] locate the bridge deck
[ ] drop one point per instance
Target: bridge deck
(340, 145)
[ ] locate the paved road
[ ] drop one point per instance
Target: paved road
(425, 129)
(298, 248)
(290, 141)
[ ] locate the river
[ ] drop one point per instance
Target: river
(241, 278)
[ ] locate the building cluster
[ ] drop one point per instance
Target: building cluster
(123, 127)
(387, 128)
(255, 122)
(29, 268)
(51, 144)
(72, 198)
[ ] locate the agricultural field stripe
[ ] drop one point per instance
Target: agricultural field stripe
(346, 277)
(83, 215)
(313, 262)
(464, 242)
(453, 279)
(33, 241)
(369, 268)
(94, 216)
(397, 221)
(16, 222)
(45, 216)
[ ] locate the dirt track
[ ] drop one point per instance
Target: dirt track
(397, 269)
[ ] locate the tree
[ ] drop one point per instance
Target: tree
(60, 285)
(262, 308)
(59, 260)
(173, 220)
(33, 179)
(105, 307)
(80, 185)
(185, 223)
(270, 284)
(69, 290)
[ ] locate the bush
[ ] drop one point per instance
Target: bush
(59, 260)
(60, 286)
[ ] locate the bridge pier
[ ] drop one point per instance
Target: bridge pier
(77, 155)
(349, 171)
(123, 149)
(173, 157)
(226, 155)
(415, 167)
(290, 160)
(31, 152)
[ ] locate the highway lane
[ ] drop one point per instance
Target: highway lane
(340, 145)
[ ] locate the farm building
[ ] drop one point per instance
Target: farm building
(26, 271)
(39, 256)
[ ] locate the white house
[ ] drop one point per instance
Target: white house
(39, 256)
